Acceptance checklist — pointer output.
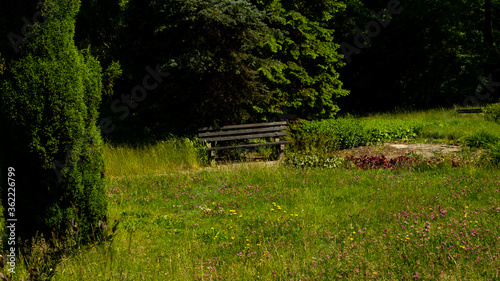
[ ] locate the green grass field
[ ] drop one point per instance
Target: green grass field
(443, 125)
(180, 221)
(285, 224)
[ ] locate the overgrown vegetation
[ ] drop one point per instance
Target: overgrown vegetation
(217, 62)
(494, 154)
(280, 223)
(171, 155)
(318, 217)
(342, 133)
(481, 139)
(492, 112)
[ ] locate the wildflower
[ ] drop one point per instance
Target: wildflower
(351, 238)
(258, 244)
(353, 232)
(232, 237)
(272, 209)
(241, 216)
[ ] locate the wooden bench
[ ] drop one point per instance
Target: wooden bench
(271, 130)
(469, 110)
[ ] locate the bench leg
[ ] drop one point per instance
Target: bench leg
(281, 150)
(211, 155)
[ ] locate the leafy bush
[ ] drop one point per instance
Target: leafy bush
(333, 134)
(380, 130)
(481, 139)
(314, 161)
(492, 112)
(494, 153)
(329, 135)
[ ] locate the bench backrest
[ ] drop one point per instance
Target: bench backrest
(243, 132)
(469, 110)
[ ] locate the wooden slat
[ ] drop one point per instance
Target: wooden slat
(249, 145)
(469, 110)
(239, 132)
(244, 126)
(247, 137)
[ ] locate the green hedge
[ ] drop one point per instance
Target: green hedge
(343, 133)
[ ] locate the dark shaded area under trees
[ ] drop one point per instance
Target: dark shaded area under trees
(242, 61)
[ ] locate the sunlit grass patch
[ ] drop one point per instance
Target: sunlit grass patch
(171, 155)
(283, 223)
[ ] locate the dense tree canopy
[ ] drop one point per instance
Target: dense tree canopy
(229, 62)
(237, 61)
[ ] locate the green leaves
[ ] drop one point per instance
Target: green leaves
(311, 61)
(327, 136)
(236, 61)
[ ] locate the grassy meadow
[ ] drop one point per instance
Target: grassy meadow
(181, 220)
(167, 156)
(278, 223)
(442, 125)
